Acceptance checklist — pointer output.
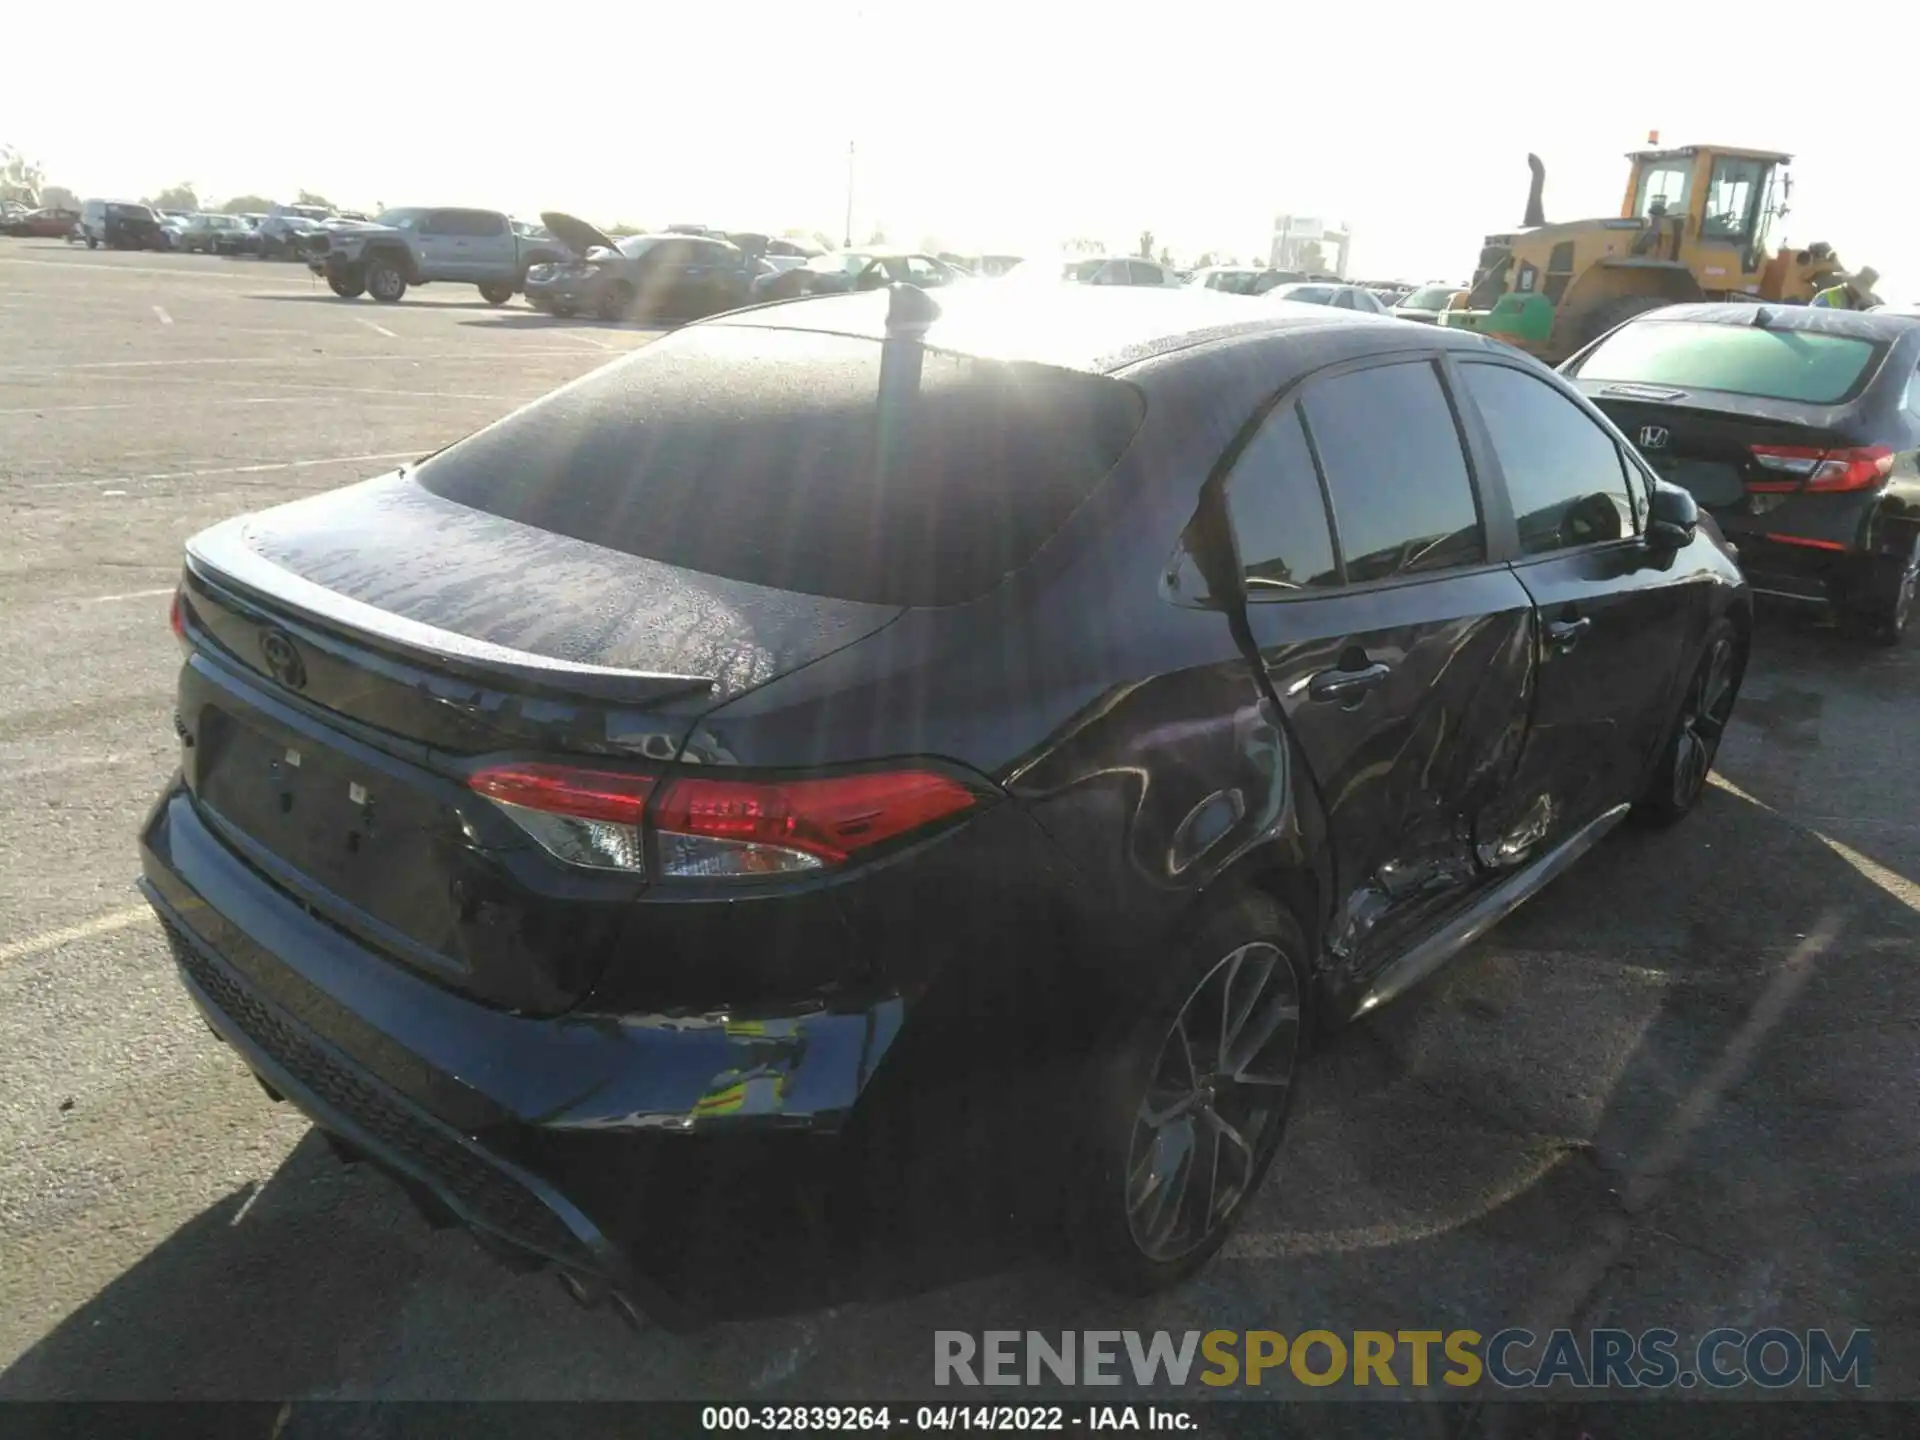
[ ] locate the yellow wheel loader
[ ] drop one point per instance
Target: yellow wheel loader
(1693, 226)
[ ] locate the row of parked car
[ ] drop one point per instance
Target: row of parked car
(278, 233)
(565, 266)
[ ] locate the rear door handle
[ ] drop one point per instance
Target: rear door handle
(1564, 634)
(1349, 685)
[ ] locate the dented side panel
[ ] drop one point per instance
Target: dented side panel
(1411, 771)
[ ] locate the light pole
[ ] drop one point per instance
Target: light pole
(848, 242)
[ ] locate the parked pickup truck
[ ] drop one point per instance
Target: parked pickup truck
(416, 246)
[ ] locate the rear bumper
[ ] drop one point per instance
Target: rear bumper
(1806, 545)
(644, 1151)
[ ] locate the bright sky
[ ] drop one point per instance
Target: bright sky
(994, 126)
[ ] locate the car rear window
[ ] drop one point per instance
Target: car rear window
(765, 455)
(1802, 365)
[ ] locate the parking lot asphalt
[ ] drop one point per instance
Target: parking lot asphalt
(1677, 1089)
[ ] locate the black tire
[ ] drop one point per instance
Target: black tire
(93, 243)
(1616, 312)
(1693, 741)
(348, 284)
(561, 311)
(1116, 1208)
(496, 292)
(386, 281)
(615, 302)
(1882, 610)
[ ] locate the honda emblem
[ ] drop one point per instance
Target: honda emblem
(1654, 437)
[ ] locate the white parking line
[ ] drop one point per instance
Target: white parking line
(89, 409)
(484, 356)
(1906, 891)
(86, 930)
(369, 390)
(377, 329)
(227, 470)
(130, 595)
(183, 273)
(160, 314)
(64, 409)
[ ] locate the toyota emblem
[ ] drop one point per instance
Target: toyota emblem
(283, 659)
(1654, 437)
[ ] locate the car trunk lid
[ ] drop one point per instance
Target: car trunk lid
(1704, 440)
(380, 641)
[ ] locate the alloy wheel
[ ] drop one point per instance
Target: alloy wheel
(1704, 720)
(1217, 1091)
(1902, 610)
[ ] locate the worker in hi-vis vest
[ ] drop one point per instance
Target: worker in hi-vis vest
(1853, 293)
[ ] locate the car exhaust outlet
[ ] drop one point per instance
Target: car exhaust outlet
(628, 1311)
(588, 1291)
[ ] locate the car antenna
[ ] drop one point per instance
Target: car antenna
(910, 314)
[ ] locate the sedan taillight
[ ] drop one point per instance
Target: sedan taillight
(1817, 469)
(705, 827)
(177, 615)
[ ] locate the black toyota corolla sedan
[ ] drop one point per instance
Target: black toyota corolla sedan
(854, 754)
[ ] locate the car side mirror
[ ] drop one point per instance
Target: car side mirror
(1672, 518)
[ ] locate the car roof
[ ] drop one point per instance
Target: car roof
(1078, 327)
(1881, 325)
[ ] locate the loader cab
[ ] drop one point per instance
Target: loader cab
(1724, 201)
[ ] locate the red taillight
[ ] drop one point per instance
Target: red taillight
(608, 795)
(830, 820)
(713, 828)
(1807, 542)
(177, 615)
(1816, 469)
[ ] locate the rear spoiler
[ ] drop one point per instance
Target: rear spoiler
(244, 576)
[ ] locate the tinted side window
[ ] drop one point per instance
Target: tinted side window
(1146, 273)
(441, 222)
(1402, 501)
(1279, 518)
(1563, 471)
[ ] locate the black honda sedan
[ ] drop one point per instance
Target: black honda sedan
(1799, 431)
(859, 753)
